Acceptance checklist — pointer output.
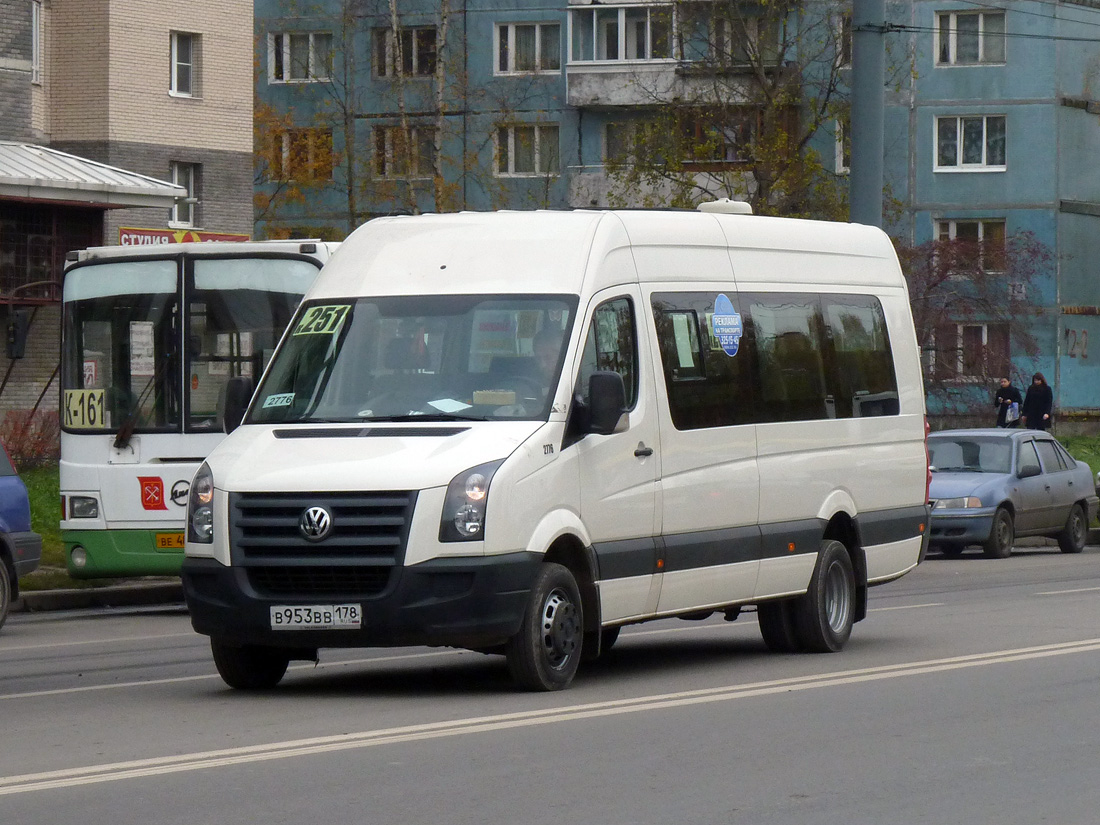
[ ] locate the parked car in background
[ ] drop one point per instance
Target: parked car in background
(20, 547)
(990, 486)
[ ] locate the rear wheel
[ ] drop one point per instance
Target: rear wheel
(5, 593)
(546, 651)
(777, 626)
(1073, 536)
(1001, 536)
(249, 667)
(824, 616)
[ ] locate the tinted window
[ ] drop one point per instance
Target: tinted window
(790, 358)
(612, 346)
(1052, 462)
(863, 369)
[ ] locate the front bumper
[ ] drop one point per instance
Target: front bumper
(461, 602)
(961, 526)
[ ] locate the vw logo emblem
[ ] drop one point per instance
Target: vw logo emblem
(315, 523)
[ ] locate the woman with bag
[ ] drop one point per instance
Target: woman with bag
(1038, 404)
(1007, 401)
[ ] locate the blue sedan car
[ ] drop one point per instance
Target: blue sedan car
(20, 548)
(991, 485)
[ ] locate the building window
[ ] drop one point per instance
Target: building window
(844, 40)
(401, 155)
(716, 144)
(977, 244)
(527, 150)
(970, 142)
(970, 38)
(187, 176)
(710, 33)
(299, 57)
(843, 146)
(630, 33)
(36, 41)
(185, 64)
(524, 48)
(971, 351)
(412, 54)
(303, 155)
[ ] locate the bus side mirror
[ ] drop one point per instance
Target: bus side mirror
(607, 403)
(238, 392)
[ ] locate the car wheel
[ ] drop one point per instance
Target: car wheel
(249, 667)
(777, 626)
(1073, 536)
(1001, 536)
(823, 617)
(546, 651)
(5, 593)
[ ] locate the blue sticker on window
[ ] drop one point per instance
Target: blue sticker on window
(726, 325)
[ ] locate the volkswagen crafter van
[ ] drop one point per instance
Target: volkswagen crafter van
(516, 432)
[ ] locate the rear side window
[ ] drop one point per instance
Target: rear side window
(1049, 454)
(737, 358)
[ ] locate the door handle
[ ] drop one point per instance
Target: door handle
(643, 451)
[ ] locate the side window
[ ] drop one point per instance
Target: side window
(707, 363)
(612, 345)
(787, 331)
(1027, 457)
(1052, 462)
(861, 380)
(1069, 461)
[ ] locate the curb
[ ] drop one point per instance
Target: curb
(126, 595)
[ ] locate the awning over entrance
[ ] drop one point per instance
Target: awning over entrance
(30, 172)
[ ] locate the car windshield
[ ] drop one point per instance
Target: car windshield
(437, 357)
(970, 454)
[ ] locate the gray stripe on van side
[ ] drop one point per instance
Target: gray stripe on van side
(623, 559)
(776, 539)
(886, 526)
(688, 551)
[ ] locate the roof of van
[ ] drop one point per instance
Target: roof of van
(546, 251)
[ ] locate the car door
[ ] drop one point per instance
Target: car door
(618, 472)
(1033, 501)
(1060, 483)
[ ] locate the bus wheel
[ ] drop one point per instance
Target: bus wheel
(777, 626)
(824, 616)
(249, 667)
(546, 651)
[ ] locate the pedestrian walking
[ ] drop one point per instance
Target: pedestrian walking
(1007, 402)
(1038, 404)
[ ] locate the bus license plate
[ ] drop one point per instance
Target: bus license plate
(169, 541)
(316, 617)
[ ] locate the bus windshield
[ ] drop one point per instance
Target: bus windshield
(138, 351)
(436, 357)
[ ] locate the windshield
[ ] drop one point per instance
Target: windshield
(967, 454)
(133, 354)
(438, 357)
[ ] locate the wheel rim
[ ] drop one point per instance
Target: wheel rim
(838, 598)
(1004, 532)
(560, 629)
(1077, 528)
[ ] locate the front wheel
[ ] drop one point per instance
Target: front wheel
(249, 667)
(1001, 536)
(1073, 536)
(5, 593)
(824, 616)
(546, 651)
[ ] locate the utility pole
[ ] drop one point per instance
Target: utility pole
(868, 81)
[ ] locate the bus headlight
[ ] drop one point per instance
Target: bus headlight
(200, 507)
(464, 507)
(83, 507)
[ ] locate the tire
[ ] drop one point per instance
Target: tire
(249, 667)
(1001, 535)
(1073, 537)
(823, 617)
(777, 626)
(546, 651)
(5, 593)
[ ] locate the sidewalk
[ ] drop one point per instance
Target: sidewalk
(143, 594)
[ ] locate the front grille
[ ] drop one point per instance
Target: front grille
(365, 544)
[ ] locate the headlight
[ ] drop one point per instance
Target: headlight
(963, 503)
(83, 507)
(200, 507)
(464, 507)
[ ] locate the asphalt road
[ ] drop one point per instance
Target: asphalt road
(971, 694)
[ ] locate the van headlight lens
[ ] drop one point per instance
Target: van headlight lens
(83, 507)
(200, 507)
(964, 503)
(464, 507)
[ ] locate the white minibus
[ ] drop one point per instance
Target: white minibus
(517, 432)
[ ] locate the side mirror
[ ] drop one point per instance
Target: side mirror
(1029, 472)
(238, 392)
(607, 403)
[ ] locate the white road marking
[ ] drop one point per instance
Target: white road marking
(905, 607)
(48, 645)
(1063, 592)
(204, 760)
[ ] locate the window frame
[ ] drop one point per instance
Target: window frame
(312, 135)
(953, 36)
(384, 64)
(191, 202)
(621, 34)
(36, 42)
(510, 48)
(946, 230)
(279, 57)
(193, 65)
(843, 147)
(957, 370)
(539, 170)
(390, 158)
(959, 166)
